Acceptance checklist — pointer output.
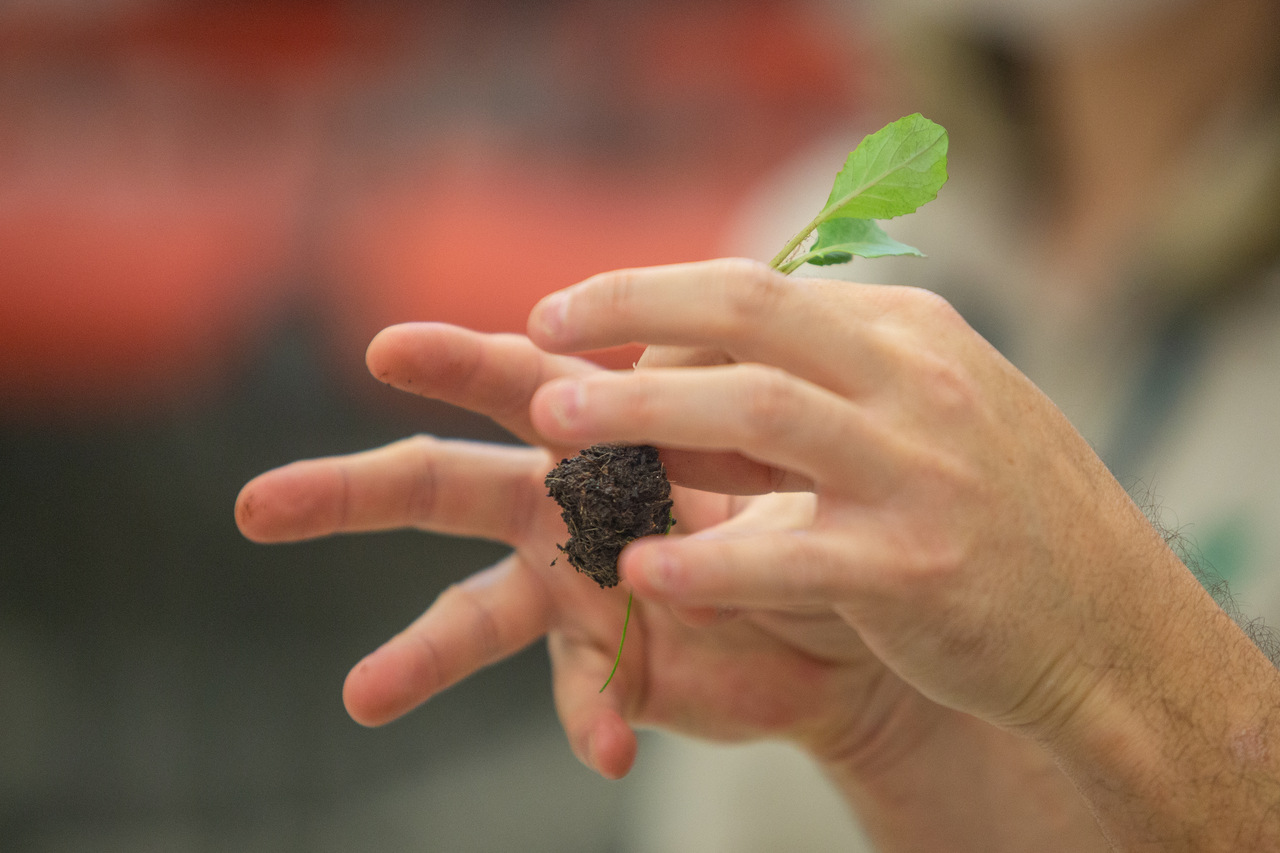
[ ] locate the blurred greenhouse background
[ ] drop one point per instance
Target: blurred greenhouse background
(206, 211)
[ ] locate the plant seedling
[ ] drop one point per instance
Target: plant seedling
(611, 495)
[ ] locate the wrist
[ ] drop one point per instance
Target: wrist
(934, 778)
(1177, 744)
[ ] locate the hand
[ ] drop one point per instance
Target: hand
(962, 528)
(702, 670)
(729, 674)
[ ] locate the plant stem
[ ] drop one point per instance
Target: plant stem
(780, 258)
(626, 621)
(795, 263)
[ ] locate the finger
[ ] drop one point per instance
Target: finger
(766, 415)
(767, 512)
(480, 621)
(455, 487)
(724, 473)
(494, 375)
(670, 356)
(792, 511)
(745, 570)
(593, 719)
(705, 617)
(815, 329)
(728, 473)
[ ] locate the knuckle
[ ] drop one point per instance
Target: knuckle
(619, 289)
(606, 297)
(771, 403)
(485, 634)
(420, 498)
(817, 573)
(920, 309)
(752, 291)
(637, 400)
(948, 384)
(517, 526)
(928, 304)
(423, 443)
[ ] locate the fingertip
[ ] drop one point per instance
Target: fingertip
(373, 693)
(246, 511)
(548, 322)
(355, 697)
(375, 352)
(263, 507)
(611, 747)
(556, 409)
(387, 348)
(652, 568)
(285, 504)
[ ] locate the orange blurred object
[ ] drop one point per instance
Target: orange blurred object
(153, 163)
(476, 236)
(114, 295)
(175, 177)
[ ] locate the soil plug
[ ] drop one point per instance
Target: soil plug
(609, 496)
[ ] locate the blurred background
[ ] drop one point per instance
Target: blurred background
(207, 209)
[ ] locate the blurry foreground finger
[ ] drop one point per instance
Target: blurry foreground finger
(810, 327)
(741, 569)
(593, 719)
(492, 374)
(763, 414)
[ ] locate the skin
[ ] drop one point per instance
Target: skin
(943, 597)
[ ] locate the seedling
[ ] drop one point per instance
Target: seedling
(611, 495)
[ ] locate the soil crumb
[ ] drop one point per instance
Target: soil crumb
(609, 496)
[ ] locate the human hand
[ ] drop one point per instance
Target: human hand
(962, 528)
(703, 671)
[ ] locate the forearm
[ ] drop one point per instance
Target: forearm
(1178, 748)
(964, 785)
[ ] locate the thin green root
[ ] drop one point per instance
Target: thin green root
(626, 621)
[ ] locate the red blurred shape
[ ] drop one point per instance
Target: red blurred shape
(111, 298)
(475, 237)
(167, 170)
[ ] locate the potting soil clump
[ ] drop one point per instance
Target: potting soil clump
(610, 495)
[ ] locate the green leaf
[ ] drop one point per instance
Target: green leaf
(891, 172)
(860, 237)
(840, 240)
(830, 258)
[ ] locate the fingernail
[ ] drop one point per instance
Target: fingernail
(566, 402)
(551, 316)
(661, 571)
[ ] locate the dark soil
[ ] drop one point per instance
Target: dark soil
(610, 495)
